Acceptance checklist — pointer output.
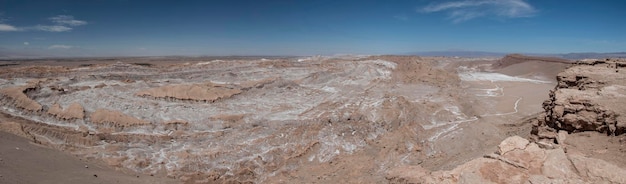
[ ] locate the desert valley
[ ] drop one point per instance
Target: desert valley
(322, 119)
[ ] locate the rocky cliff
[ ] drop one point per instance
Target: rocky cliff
(589, 97)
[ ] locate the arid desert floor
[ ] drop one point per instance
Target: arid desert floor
(322, 119)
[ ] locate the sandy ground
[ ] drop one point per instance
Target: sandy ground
(22, 161)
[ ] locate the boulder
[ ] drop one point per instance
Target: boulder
(512, 143)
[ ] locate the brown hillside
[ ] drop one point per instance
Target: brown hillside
(512, 59)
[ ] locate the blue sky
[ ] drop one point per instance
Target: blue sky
(283, 27)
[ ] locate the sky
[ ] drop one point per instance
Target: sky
(313, 27)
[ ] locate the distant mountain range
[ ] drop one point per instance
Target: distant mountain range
(459, 53)
(9, 54)
(572, 56)
(584, 55)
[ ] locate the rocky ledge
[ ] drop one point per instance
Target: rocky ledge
(519, 161)
(590, 96)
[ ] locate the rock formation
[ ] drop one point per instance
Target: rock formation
(590, 96)
(116, 119)
(518, 161)
(208, 92)
(17, 96)
(73, 111)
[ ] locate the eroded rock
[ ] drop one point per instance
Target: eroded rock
(18, 97)
(529, 164)
(207, 92)
(589, 97)
(73, 111)
(512, 143)
(115, 119)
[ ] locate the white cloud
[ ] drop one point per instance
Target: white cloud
(67, 20)
(56, 28)
(60, 47)
(7, 27)
(26, 43)
(61, 23)
(459, 11)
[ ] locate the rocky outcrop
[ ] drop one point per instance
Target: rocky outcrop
(115, 119)
(73, 111)
(207, 92)
(17, 96)
(518, 161)
(589, 97)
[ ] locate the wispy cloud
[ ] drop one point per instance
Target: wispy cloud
(401, 17)
(60, 47)
(60, 23)
(67, 20)
(4, 26)
(460, 11)
(56, 28)
(7, 27)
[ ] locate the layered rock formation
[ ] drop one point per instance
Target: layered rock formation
(590, 96)
(73, 111)
(17, 96)
(115, 119)
(208, 92)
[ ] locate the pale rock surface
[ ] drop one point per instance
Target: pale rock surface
(541, 166)
(512, 143)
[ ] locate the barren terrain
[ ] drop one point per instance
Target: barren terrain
(354, 119)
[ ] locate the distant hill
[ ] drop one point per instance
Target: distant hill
(585, 55)
(459, 53)
(571, 56)
(512, 59)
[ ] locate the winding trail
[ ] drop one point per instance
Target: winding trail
(508, 113)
